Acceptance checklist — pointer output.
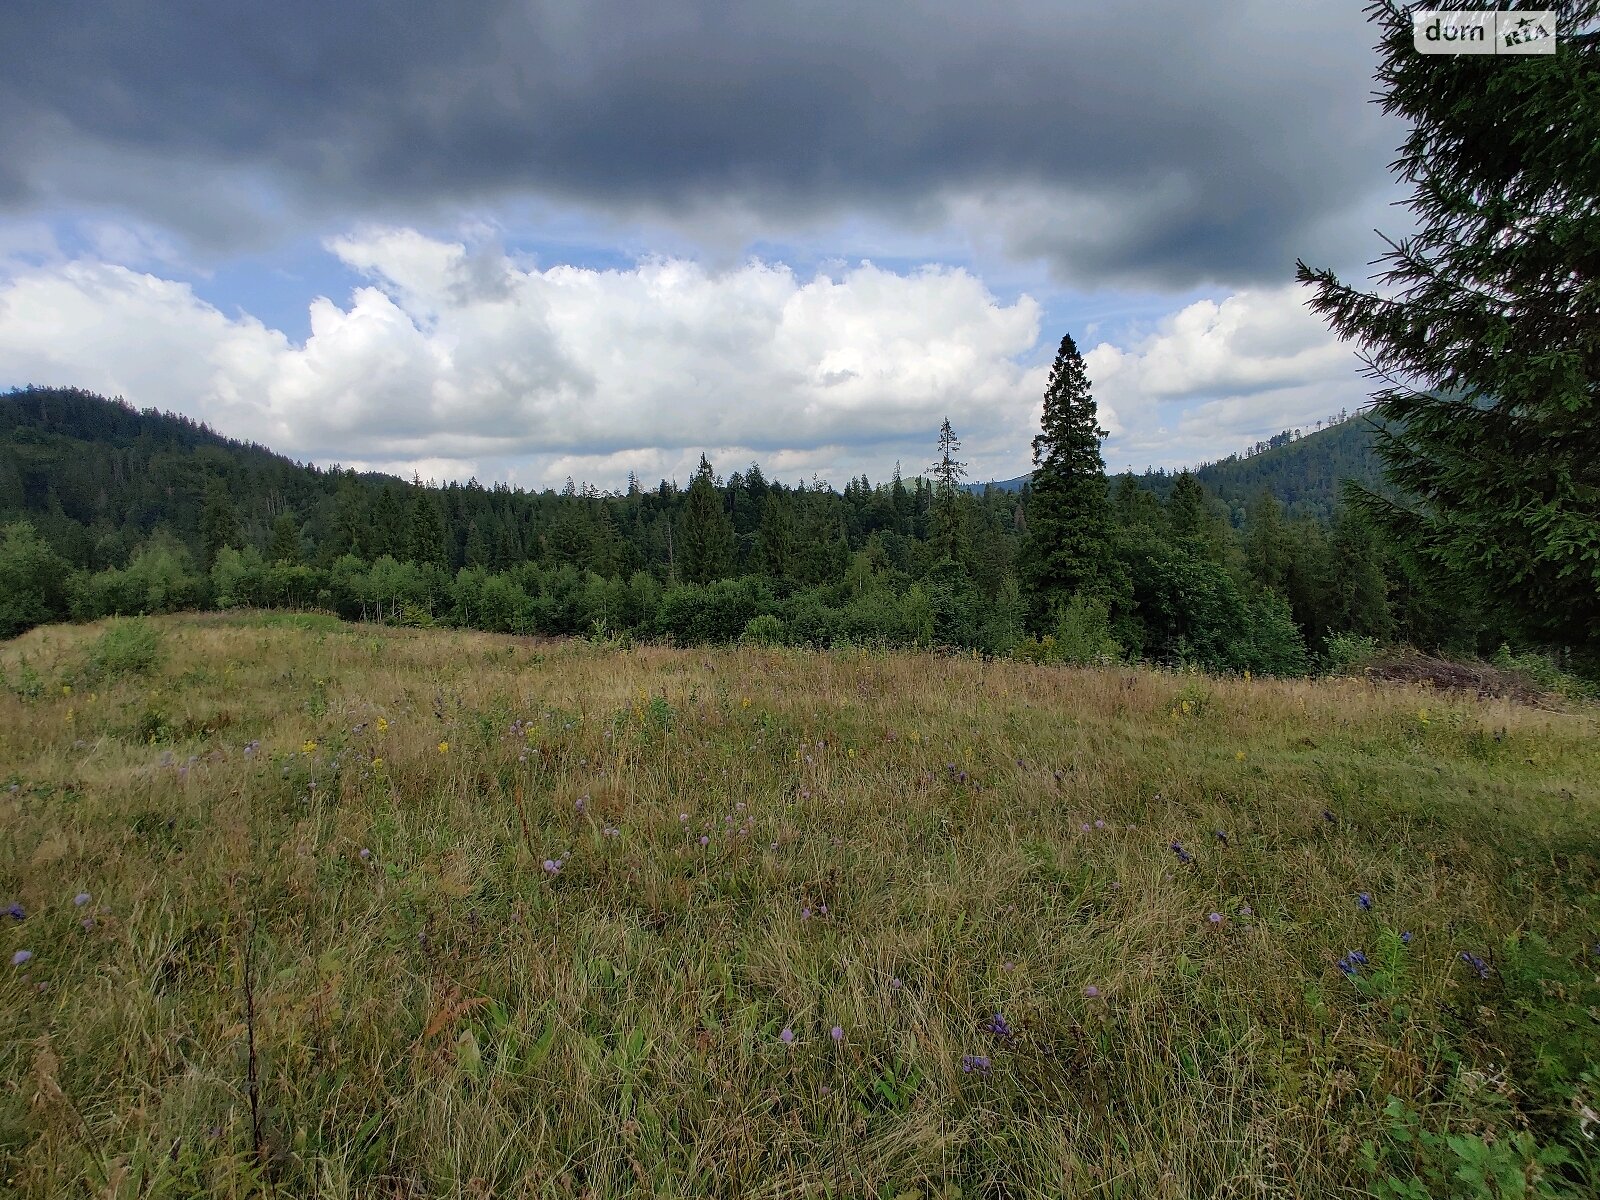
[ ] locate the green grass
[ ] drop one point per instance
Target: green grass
(443, 1016)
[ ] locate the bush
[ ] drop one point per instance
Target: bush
(130, 647)
(1347, 653)
(31, 576)
(765, 630)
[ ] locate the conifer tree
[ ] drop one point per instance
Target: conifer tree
(946, 528)
(1485, 336)
(285, 545)
(705, 550)
(1068, 548)
(219, 523)
(776, 537)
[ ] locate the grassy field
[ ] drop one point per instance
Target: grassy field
(306, 908)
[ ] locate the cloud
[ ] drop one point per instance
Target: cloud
(452, 358)
(1215, 376)
(1158, 147)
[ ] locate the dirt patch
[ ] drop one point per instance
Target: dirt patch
(1481, 679)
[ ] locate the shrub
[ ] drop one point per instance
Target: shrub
(765, 630)
(1347, 653)
(130, 647)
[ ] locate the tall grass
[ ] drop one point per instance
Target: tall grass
(481, 916)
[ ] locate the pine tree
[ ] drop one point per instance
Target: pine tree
(705, 550)
(1068, 548)
(1486, 335)
(946, 526)
(427, 543)
(285, 545)
(776, 537)
(219, 523)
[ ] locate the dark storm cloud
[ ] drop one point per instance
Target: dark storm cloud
(1168, 142)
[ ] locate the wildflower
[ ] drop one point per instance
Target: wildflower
(1091, 992)
(805, 914)
(1238, 756)
(1358, 958)
(552, 866)
(1364, 899)
(444, 747)
(1327, 815)
(1245, 910)
(682, 817)
(997, 1025)
(704, 840)
(1183, 855)
(1348, 967)
(310, 746)
(377, 763)
(1099, 824)
(837, 1033)
(20, 957)
(787, 1036)
(1215, 918)
(1405, 938)
(975, 1062)
(611, 831)
(582, 803)
(87, 922)
(1221, 837)
(1008, 966)
(366, 855)
(81, 899)
(383, 725)
(1476, 963)
(896, 983)
(15, 911)
(1084, 827)
(250, 748)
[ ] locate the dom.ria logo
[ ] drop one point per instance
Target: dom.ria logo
(1452, 31)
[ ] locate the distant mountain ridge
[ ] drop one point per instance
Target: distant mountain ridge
(1306, 473)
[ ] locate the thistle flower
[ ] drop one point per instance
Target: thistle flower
(704, 840)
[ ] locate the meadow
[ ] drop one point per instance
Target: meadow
(307, 908)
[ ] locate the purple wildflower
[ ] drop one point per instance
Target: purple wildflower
(21, 957)
(1091, 992)
(975, 1062)
(1215, 918)
(582, 803)
(1222, 837)
(16, 912)
(998, 1026)
(1476, 963)
(787, 1036)
(896, 983)
(81, 899)
(552, 866)
(1358, 958)
(1183, 855)
(837, 1033)
(1348, 967)
(805, 914)
(1405, 938)
(1364, 899)
(365, 855)
(1245, 910)
(704, 840)
(1099, 824)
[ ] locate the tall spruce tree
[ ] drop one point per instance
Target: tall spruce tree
(1068, 548)
(1485, 336)
(707, 544)
(946, 528)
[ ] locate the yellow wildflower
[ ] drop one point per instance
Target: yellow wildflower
(444, 747)
(383, 724)
(310, 747)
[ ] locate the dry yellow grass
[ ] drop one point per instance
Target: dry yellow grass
(893, 844)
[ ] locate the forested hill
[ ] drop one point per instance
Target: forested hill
(1306, 474)
(97, 476)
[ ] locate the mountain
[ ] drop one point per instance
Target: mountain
(1305, 473)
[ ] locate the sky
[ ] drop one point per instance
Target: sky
(522, 240)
